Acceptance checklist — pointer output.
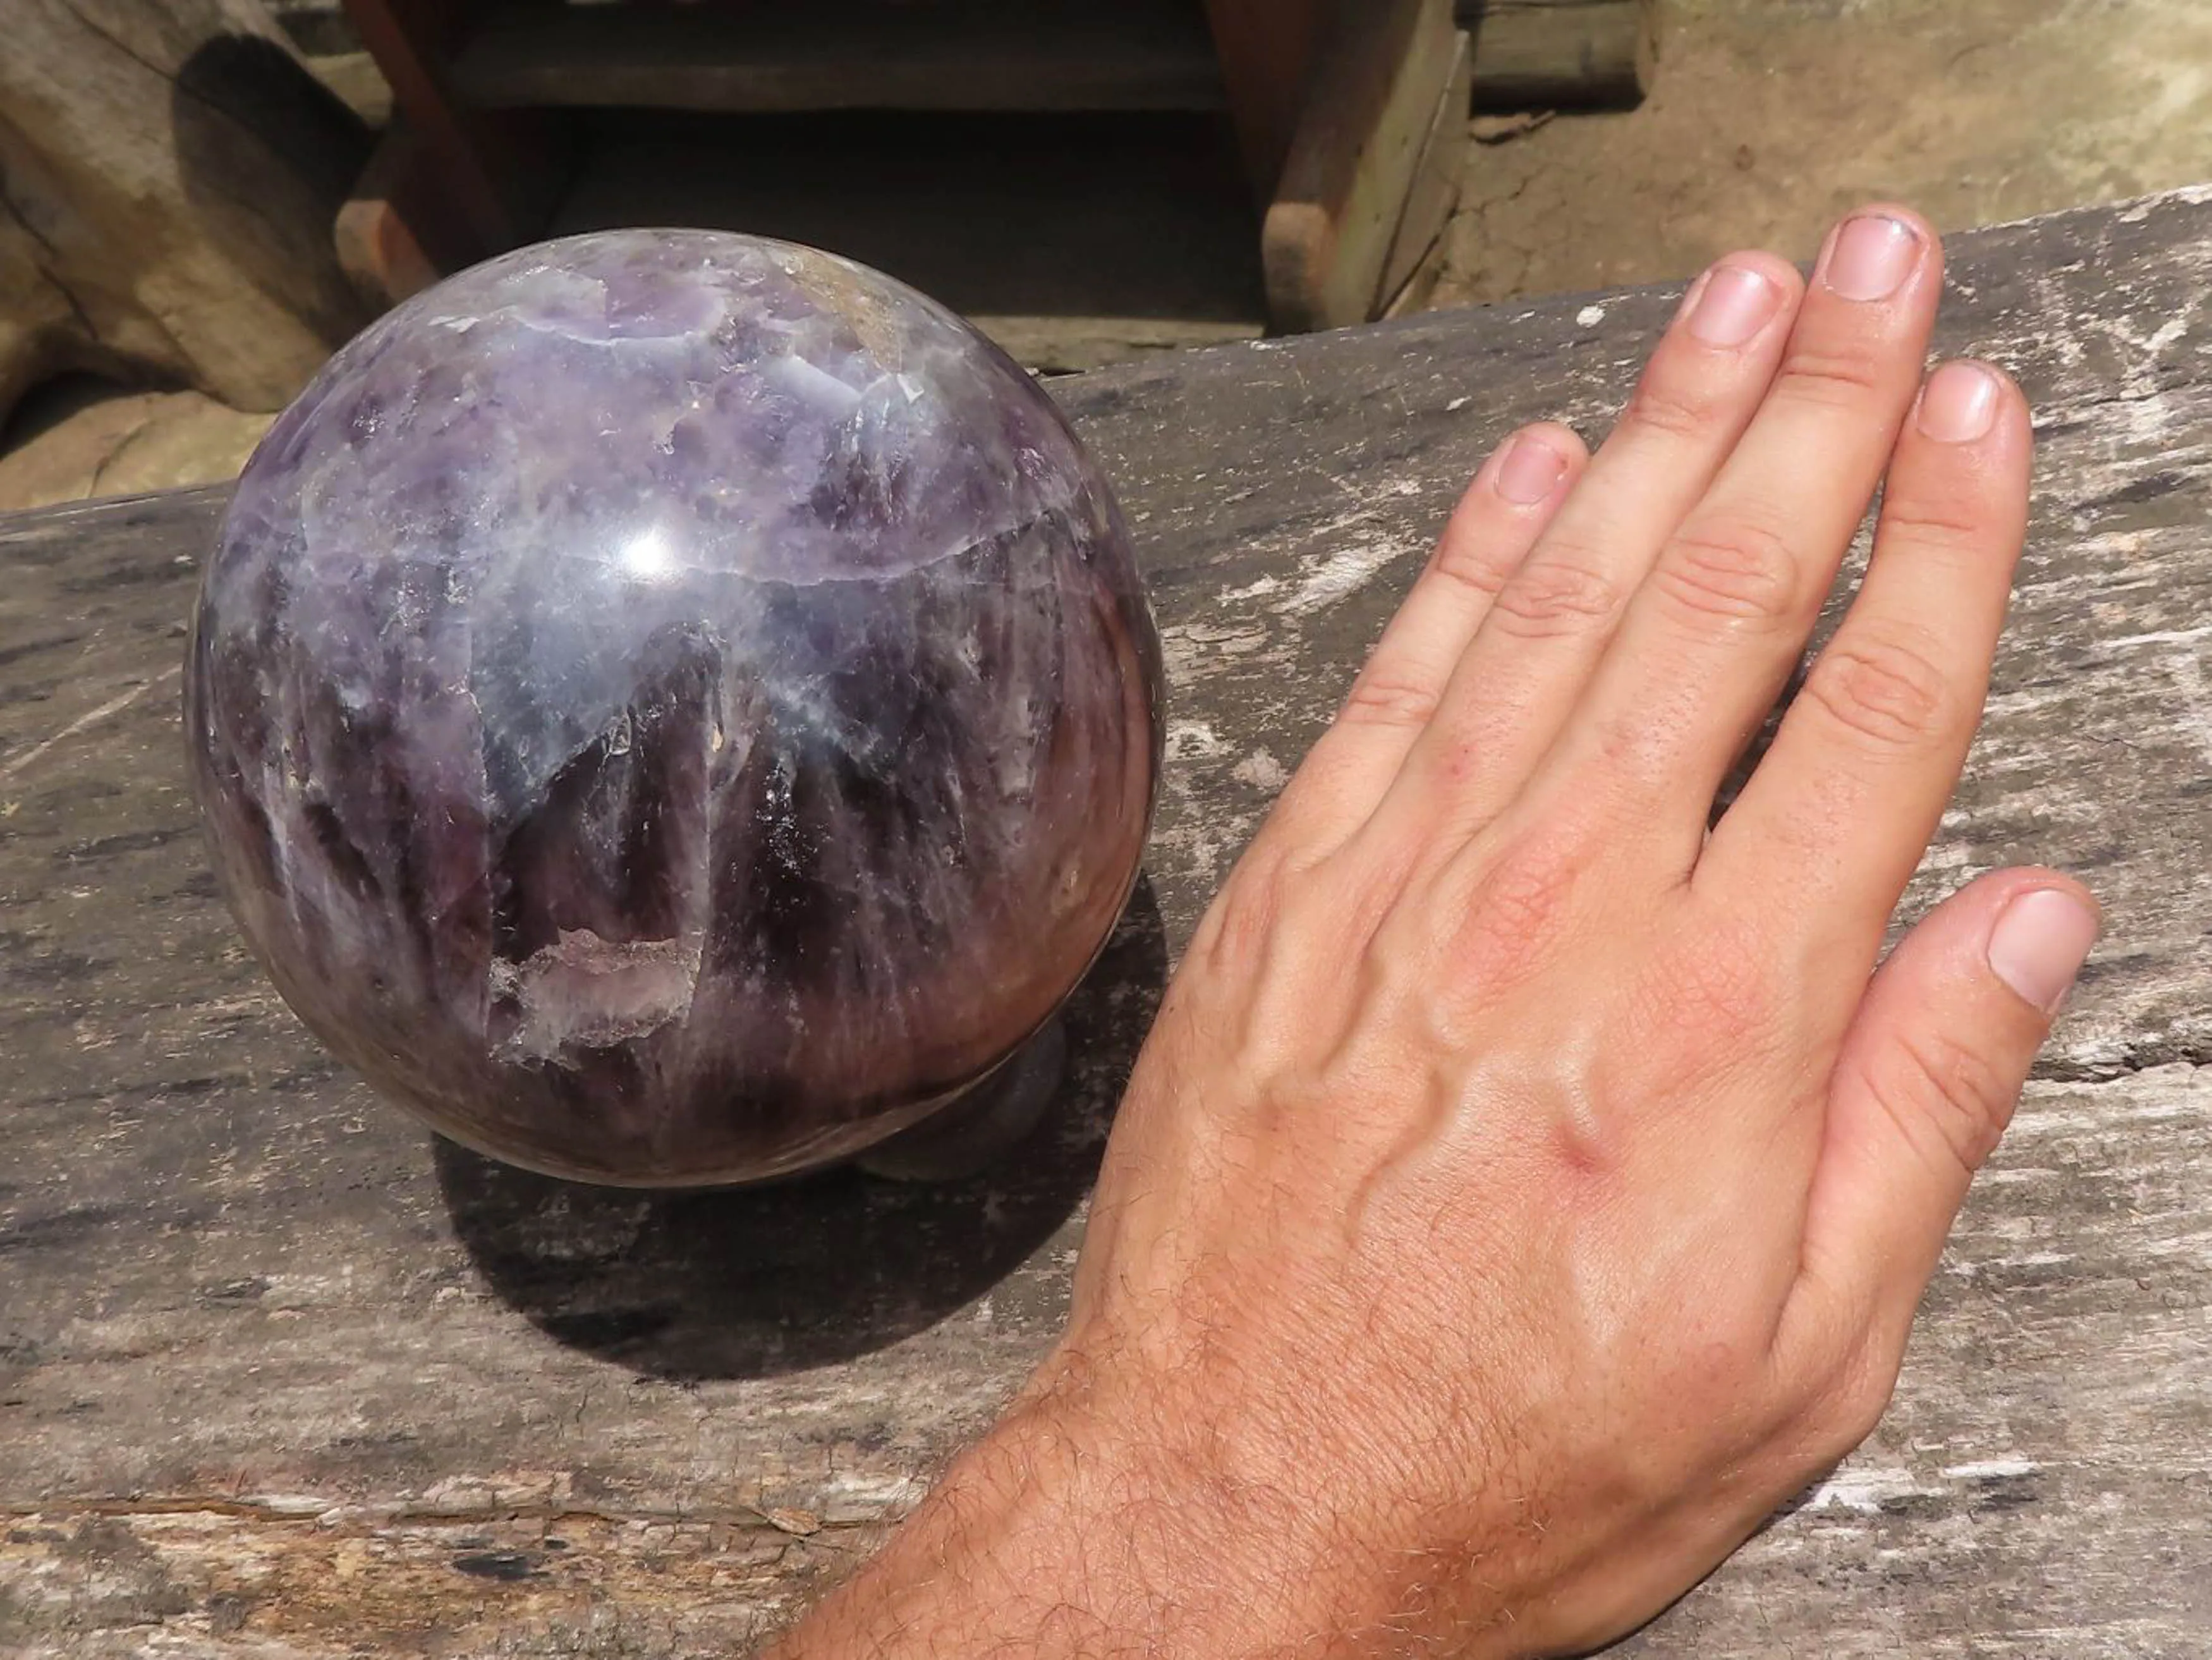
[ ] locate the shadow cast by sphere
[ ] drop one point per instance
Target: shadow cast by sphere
(751, 1282)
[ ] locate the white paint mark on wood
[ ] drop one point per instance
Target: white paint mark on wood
(1866, 1492)
(1194, 651)
(1194, 740)
(90, 718)
(886, 1491)
(2163, 637)
(1992, 1469)
(2192, 711)
(1258, 589)
(1338, 576)
(1262, 770)
(287, 1503)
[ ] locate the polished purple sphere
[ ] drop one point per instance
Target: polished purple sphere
(673, 707)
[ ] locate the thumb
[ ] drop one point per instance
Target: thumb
(1925, 1083)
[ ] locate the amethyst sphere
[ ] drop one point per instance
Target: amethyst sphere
(673, 707)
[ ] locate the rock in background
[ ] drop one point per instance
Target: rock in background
(169, 171)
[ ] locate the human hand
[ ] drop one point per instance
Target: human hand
(1523, 1190)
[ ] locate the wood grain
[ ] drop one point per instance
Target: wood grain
(1361, 133)
(168, 169)
(1432, 194)
(278, 1376)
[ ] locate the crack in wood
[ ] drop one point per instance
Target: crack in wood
(370, 1515)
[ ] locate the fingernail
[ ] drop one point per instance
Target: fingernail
(1959, 403)
(1733, 307)
(1529, 471)
(2040, 943)
(1873, 256)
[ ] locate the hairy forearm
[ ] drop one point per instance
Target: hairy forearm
(1039, 1540)
(1109, 1516)
(1065, 1534)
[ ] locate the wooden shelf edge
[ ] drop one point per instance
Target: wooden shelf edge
(1148, 56)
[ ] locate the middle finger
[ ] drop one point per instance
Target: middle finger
(1711, 635)
(1531, 657)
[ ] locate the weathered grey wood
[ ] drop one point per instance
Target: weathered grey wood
(277, 1378)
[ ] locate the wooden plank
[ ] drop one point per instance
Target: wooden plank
(407, 38)
(1267, 50)
(1344, 184)
(1561, 54)
(396, 233)
(974, 55)
(1434, 191)
(496, 173)
(278, 1376)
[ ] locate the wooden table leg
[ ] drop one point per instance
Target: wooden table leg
(449, 185)
(1358, 147)
(1267, 49)
(1408, 273)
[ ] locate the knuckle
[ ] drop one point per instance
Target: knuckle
(1515, 917)
(1886, 692)
(1744, 571)
(1849, 1402)
(1235, 931)
(1843, 378)
(1949, 1099)
(1470, 562)
(1936, 520)
(1554, 596)
(1675, 407)
(1380, 698)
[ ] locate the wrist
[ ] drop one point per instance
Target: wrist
(1254, 1535)
(1104, 1516)
(1074, 1529)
